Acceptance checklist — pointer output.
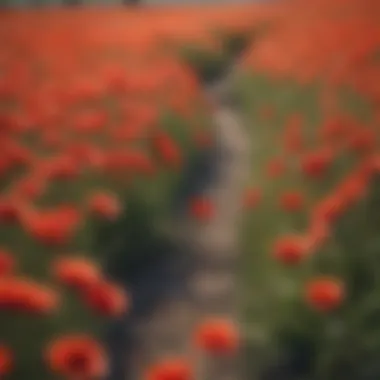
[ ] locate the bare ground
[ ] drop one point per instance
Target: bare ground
(200, 278)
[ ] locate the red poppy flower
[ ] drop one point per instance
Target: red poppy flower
(63, 168)
(330, 209)
(87, 155)
(24, 295)
(134, 161)
(52, 227)
(167, 149)
(375, 163)
(104, 205)
(51, 139)
(77, 357)
(117, 81)
(170, 369)
(7, 262)
(90, 121)
(129, 133)
(18, 155)
(333, 129)
(324, 294)
(363, 140)
(352, 189)
(290, 249)
(202, 209)
(107, 299)
(291, 201)
(318, 233)
(217, 336)
(30, 187)
(76, 272)
(9, 210)
(6, 360)
(315, 164)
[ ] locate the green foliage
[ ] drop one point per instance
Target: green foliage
(211, 64)
(301, 343)
(124, 247)
(235, 42)
(208, 64)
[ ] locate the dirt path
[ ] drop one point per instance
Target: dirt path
(200, 277)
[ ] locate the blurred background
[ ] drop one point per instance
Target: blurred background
(189, 191)
(23, 3)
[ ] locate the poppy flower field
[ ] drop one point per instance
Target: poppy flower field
(311, 96)
(99, 119)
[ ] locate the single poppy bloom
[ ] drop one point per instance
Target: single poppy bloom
(129, 133)
(251, 198)
(353, 189)
(375, 163)
(170, 369)
(324, 294)
(53, 227)
(202, 209)
(63, 168)
(362, 141)
(107, 299)
(333, 129)
(41, 300)
(318, 233)
(76, 272)
(167, 149)
(292, 201)
(330, 208)
(117, 81)
(88, 89)
(87, 155)
(9, 210)
(290, 249)
(217, 336)
(30, 187)
(77, 357)
(6, 360)
(20, 294)
(12, 122)
(293, 143)
(145, 114)
(104, 205)
(19, 155)
(315, 164)
(7, 262)
(133, 160)
(365, 168)
(90, 121)
(51, 139)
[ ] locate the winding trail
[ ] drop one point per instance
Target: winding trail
(200, 278)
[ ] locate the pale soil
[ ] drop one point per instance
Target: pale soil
(201, 278)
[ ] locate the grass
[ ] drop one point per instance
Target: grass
(273, 292)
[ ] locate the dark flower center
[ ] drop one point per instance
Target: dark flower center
(78, 362)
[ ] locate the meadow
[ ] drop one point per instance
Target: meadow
(101, 112)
